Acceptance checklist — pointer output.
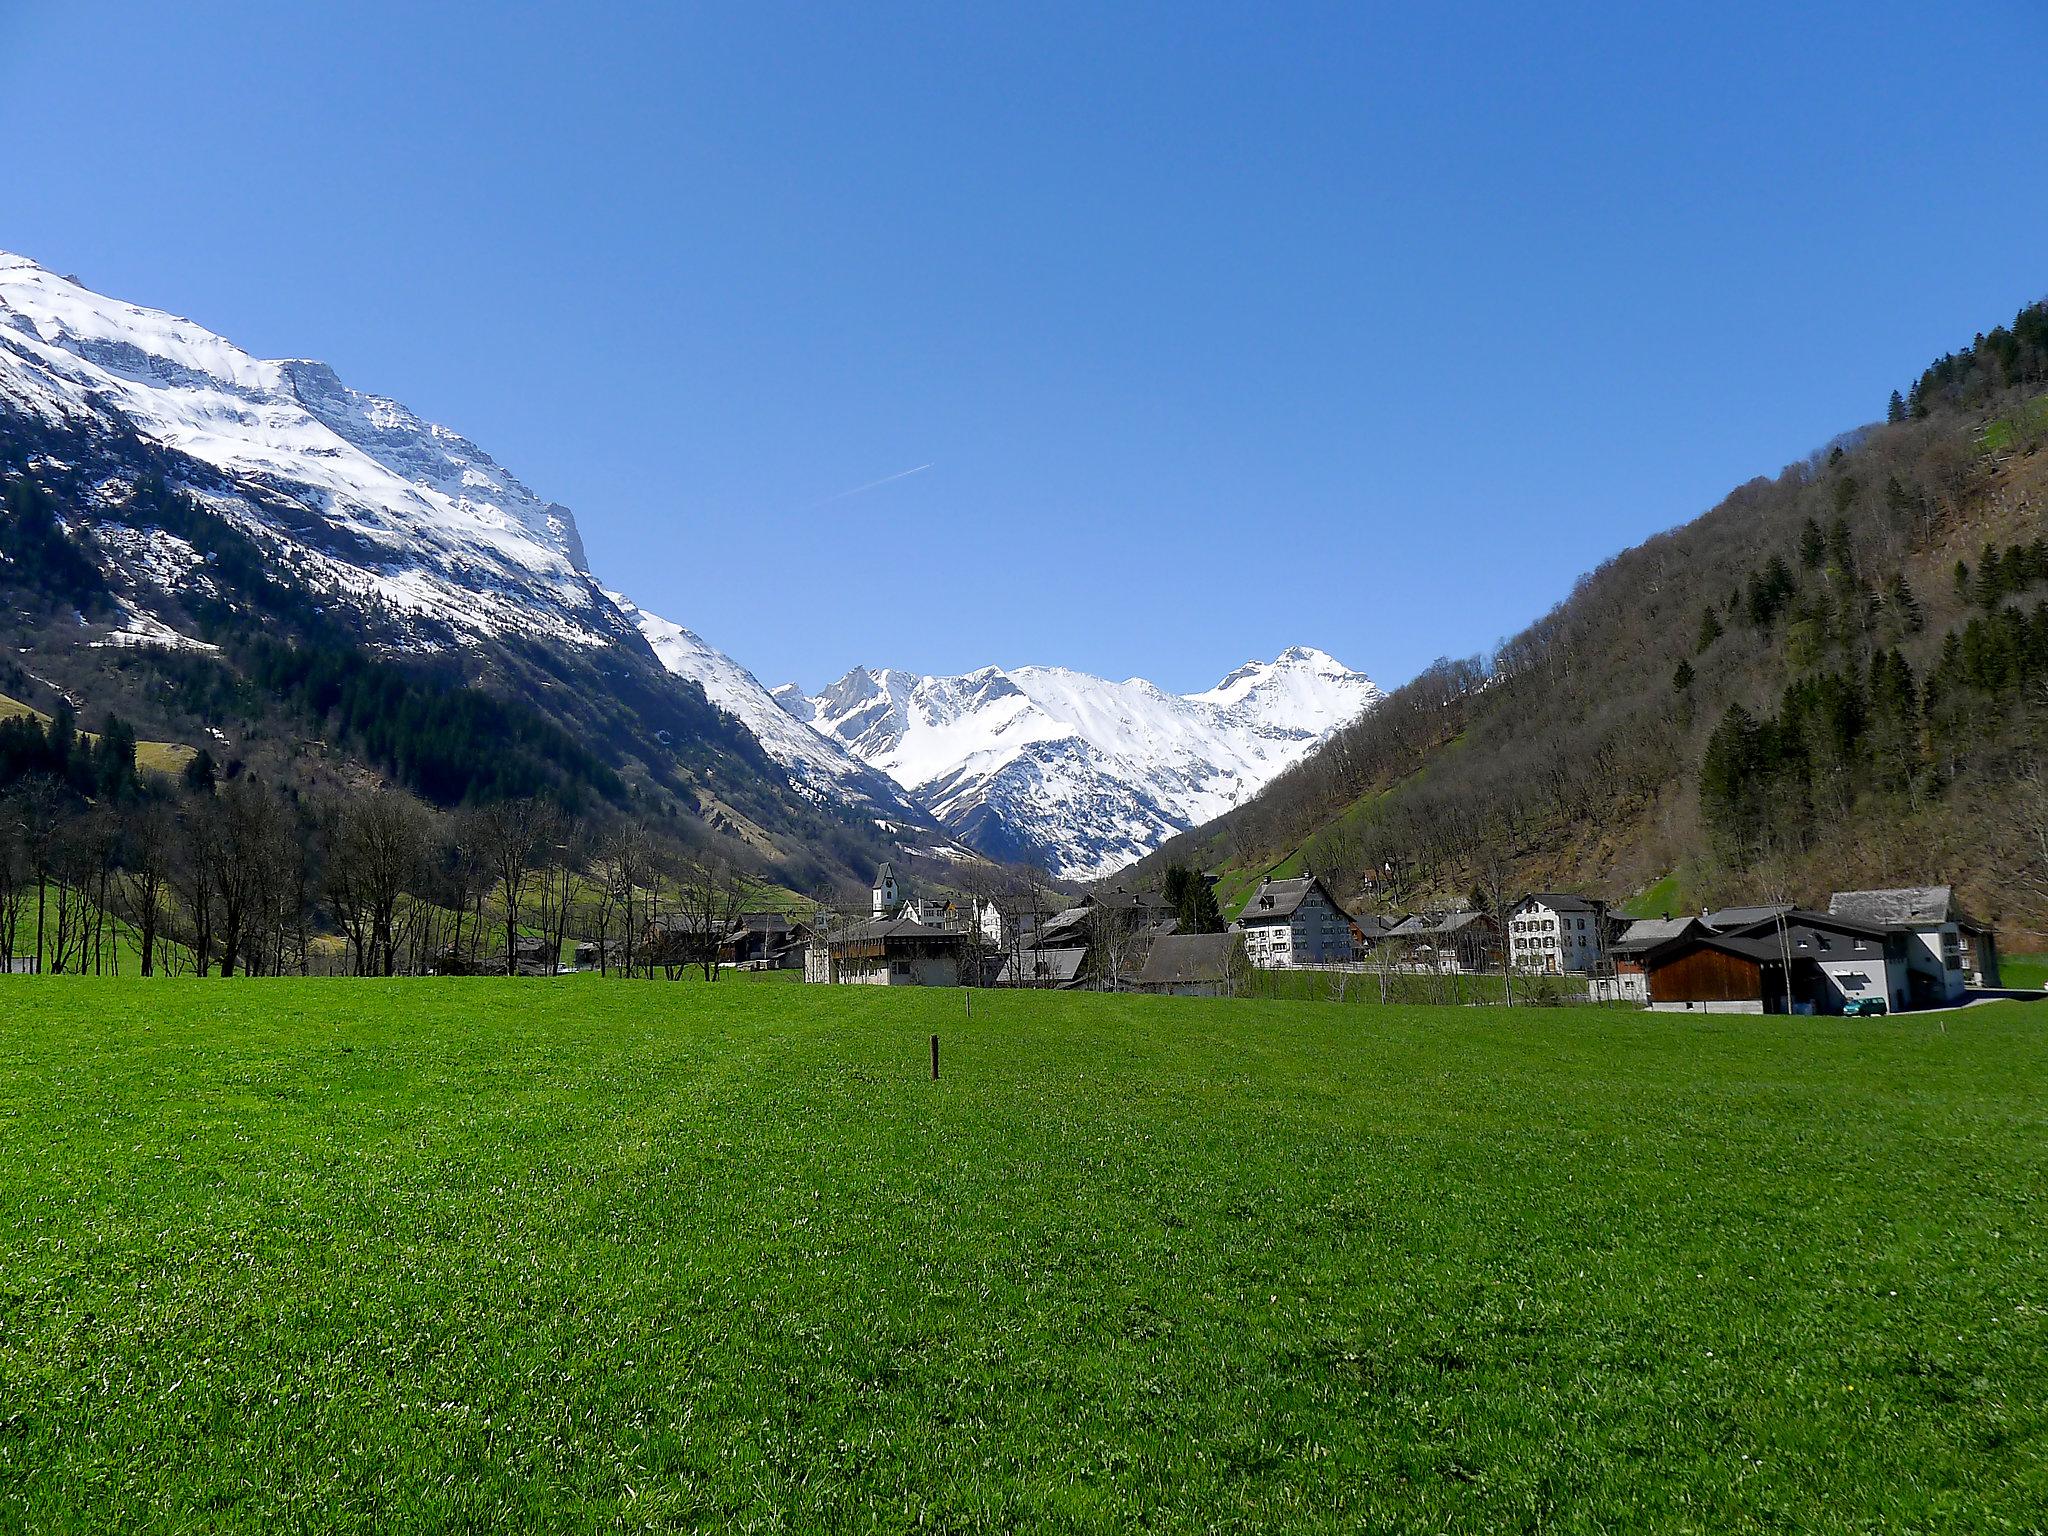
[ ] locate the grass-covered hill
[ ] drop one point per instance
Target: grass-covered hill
(1837, 677)
(430, 1256)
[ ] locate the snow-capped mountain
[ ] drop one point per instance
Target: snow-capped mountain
(419, 542)
(817, 763)
(1076, 772)
(415, 530)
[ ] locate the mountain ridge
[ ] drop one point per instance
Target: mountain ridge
(1059, 767)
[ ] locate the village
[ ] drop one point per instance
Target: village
(1870, 952)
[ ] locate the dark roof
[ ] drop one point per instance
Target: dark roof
(1276, 900)
(1730, 918)
(1911, 904)
(1759, 950)
(1057, 967)
(1561, 901)
(1121, 898)
(1810, 936)
(892, 928)
(1184, 959)
(1793, 918)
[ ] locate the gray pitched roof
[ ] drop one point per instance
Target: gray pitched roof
(1911, 904)
(1184, 959)
(1452, 922)
(1647, 933)
(1277, 900)
(1043, 967)
(1561, 901)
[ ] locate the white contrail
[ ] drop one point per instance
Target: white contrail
(901, 474)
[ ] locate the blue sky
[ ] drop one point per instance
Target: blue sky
(1220, 328)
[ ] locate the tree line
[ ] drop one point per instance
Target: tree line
(207, 873)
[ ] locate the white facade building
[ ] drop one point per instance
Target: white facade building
(1556, 934)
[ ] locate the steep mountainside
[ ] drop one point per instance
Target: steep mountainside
(251, 555)
(1077, 773)
(816, 763)
(1836, 678)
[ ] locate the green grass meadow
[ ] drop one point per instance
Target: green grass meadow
(487, 1255)
(2028, 972)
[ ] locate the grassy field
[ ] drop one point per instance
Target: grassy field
(491, 1255)
(2028, 971)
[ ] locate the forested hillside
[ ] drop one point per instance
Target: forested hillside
(127, 598)
(1837, 677)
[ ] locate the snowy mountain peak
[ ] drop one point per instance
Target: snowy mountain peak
(391, 508)
(1076, 772)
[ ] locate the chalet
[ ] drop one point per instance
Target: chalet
(676, 939)
(1192, 964)
(1112, 929)
(1460, 940)
(1621, 978)
(1294, 922)
(1555, 933)
(765, 941)
(1947, 951)
(890, 952)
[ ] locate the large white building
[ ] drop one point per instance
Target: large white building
(1294, 922)
(1554, 934)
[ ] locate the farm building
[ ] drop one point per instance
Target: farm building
(889, 952)
(1192, 964)
(1060, 969)
(1793, 962)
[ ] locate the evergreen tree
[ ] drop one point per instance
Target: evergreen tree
(1962, 581)
(1896, 411)
(1813, 547)
(1841, 556)
(1682, 678)
(1904, 605)
(113, 760)
(1710, 630)
(1990, 585)
(200, 774)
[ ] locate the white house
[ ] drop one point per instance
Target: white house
(1946, 953)
(1294, 922)
(1554, 933)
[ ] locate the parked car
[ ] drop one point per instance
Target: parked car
(1864, 1008)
